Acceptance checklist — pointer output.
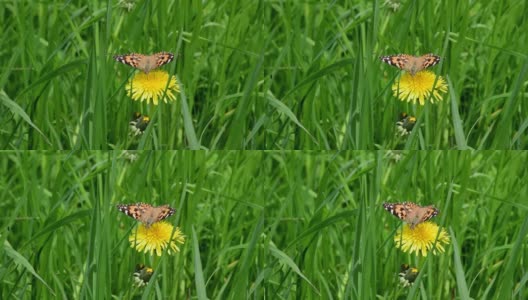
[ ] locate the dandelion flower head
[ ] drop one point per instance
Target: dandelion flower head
(156, 238)
(422, 239)
(423, 86)
(152, 87)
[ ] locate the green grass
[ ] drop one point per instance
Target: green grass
(262, 74)
(262, 225)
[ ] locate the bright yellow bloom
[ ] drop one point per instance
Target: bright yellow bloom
(422, 238)
(156, 238)
(419, 87)
(144, 87)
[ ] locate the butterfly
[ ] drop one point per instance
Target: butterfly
(145, 63)
(411, 213)
(411, 64)
(146, 213)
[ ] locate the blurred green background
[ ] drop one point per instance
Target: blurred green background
(262, 225)
(262, 74)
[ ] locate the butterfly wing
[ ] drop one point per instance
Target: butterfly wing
(163, 58)
(418, 214)
(397, 209)
(135, 211)
(428, 212)
(132, 59)
(398, 61)
(429, 60)
(163, 212)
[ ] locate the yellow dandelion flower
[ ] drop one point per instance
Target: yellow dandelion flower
(152, 86)
(422, 238)
(419, 87)
(156, 238)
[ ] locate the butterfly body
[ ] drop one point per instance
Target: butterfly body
(411, 213)
(411, 64)
(145, 63)
(146, 213)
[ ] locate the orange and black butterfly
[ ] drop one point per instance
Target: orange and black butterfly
(146, 213)
(145, 63)
(411, 64)
(411, 213)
